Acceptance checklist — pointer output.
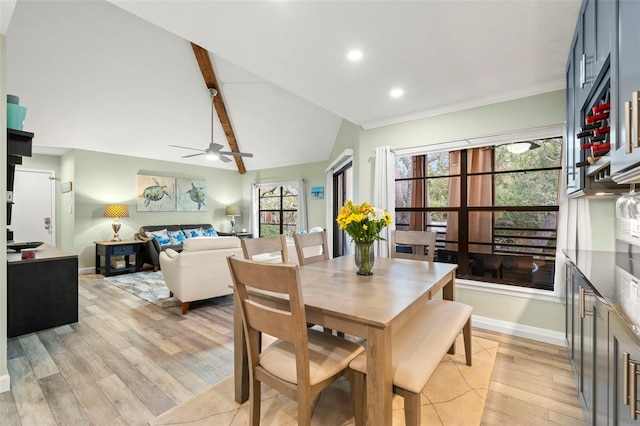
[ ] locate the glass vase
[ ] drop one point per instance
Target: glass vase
(364, 258)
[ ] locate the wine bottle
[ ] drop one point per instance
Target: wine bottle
(601, 108)
(599, 138)
(597, 117)
(591, 126)
(590, 160)
(601, 131)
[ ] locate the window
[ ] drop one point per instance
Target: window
(278, 210)
(495, 211)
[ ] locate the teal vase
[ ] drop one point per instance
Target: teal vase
(364, 258)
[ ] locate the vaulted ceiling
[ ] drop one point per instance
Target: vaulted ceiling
(120, 76)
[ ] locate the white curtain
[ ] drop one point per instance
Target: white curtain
(383, 192)
(301, 224)
(255, 205)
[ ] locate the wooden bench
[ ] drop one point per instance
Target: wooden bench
(418, 348)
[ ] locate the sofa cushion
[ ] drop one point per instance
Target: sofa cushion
(193, 232)
(209, 232)
(176, 237)
(211, 243)
(161, 236)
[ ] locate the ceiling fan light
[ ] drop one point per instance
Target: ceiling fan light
(211, 156)
(519, 147)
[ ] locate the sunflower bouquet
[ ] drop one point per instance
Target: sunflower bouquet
(363, 222)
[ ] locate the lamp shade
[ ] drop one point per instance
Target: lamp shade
(116, 210)
(232, 211)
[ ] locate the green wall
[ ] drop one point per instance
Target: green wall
(100, 178)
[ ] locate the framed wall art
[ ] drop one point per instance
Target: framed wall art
(155, 193)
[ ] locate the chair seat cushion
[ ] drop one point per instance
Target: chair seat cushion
(328, 355)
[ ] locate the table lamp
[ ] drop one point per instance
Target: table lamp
(116, 211)
(232, 212)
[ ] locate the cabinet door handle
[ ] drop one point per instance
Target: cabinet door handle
(581, 303)
(627, 126)
(633, 399)
(625, 381)
(634, 120)
(582, 70)
(629, 384)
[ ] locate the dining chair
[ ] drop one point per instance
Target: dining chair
(420, 240)
(266, 249)
(311, 247)
(301, 362)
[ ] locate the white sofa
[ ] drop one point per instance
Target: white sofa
(200, 271)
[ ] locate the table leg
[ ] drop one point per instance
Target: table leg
(240, 357)
(379, 376)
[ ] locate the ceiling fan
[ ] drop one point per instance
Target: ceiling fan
(213, 151)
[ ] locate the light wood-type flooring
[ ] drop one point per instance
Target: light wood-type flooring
(127, 361)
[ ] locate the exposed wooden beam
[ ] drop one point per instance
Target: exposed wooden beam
(210, 80)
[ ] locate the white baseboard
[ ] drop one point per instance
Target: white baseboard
(520, 330)
(84, 271)
(5, 383)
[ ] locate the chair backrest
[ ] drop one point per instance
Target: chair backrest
(311, 247)
(285, 324)
(419, 240)
(253, 248)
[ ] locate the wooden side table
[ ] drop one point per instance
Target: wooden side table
(109, 249)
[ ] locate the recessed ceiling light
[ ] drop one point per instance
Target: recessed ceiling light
(354, 55)
(396, 93)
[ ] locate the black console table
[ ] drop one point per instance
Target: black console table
(109, 249)
(42, 292)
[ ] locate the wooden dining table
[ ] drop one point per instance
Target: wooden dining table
(370, 307)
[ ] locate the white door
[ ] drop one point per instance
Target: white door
(32, 217)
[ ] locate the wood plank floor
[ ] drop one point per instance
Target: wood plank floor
(127, 361)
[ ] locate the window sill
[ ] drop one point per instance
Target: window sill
(507, 290)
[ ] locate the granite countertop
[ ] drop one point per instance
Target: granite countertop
(44, 252)
(615, 276)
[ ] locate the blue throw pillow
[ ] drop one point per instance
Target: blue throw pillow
(161, 236)
(191, 233)
(209, 232)
(176, 237)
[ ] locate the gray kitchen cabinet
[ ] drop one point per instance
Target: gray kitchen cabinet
(587, 332)
(582, 338)
(592, 45)
(571, 146)
(624, 364)
(625, 80)
(587, 80)
(600, 362)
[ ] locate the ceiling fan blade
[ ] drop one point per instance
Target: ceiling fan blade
(225, 159)
(192, 155)
(215, 147)
(186, 147)
(237, 154)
